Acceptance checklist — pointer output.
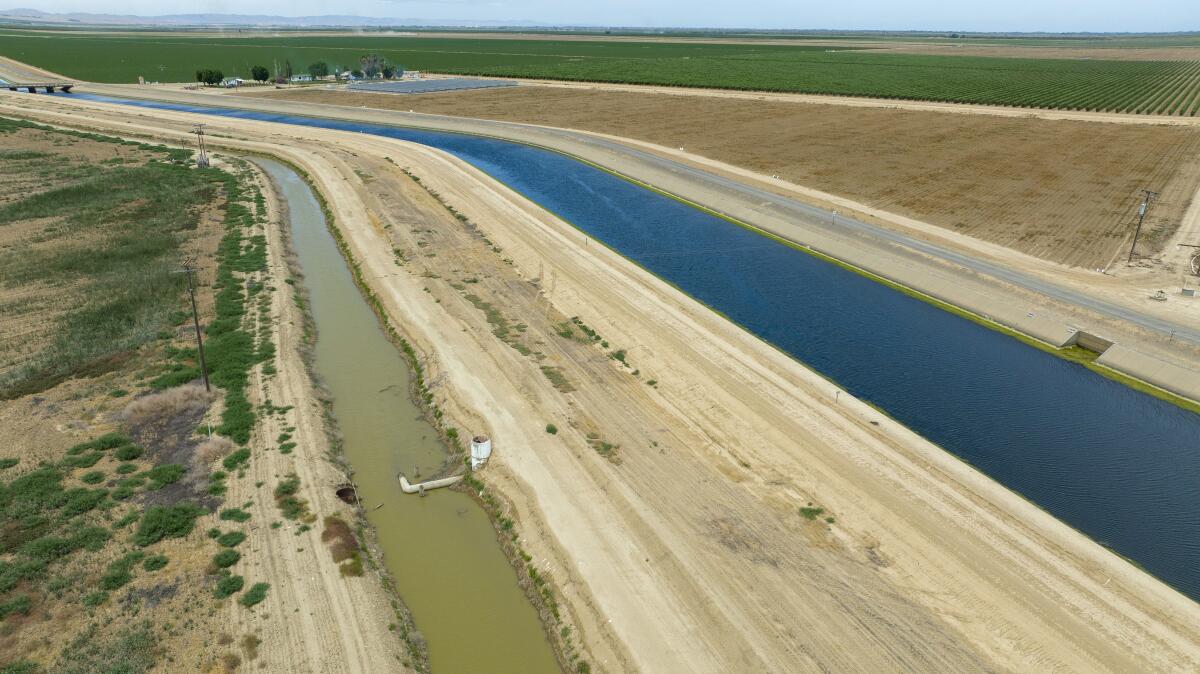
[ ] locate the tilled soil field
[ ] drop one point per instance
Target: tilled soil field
(1064, 191)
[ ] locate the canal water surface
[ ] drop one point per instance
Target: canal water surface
(441, 549)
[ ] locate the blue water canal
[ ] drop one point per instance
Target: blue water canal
(1119, 465)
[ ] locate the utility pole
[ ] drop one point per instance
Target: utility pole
(202, 160)
(1147, 197)
(190, 271)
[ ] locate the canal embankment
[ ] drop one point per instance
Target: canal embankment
(1158, 351)
(715, 533)
(439, 552)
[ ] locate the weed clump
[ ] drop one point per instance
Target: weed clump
(161, 476)
(292, 507)
(226, 558)
(231, 539)
(811, 513)
(236, 459)
(235, 515)
(255, 595)
(161, 522)
(119, 573)
(228, 585)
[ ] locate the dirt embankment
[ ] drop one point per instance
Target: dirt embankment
(704, 503)
(268, 593)
(1063, 191)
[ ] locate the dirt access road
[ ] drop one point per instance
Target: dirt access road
(685, 549)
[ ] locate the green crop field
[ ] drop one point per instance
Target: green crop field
(1144, 87)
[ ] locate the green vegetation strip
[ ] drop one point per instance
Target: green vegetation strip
(1160, 87)
(113, 237)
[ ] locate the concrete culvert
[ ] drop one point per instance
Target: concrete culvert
(347, 493)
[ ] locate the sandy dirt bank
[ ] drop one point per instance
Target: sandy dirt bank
(686, 549)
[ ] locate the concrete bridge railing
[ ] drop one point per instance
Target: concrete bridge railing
(32, 87)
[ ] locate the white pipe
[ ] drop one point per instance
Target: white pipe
(409, 488)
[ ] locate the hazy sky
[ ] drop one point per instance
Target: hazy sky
(973, 15)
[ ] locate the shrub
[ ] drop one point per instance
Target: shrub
(8, 463)
(226, 558)
(811, 513)
(230, 584)
(155, 563)
(79, 501)
(161, 522)
(119, 573)
(231, 539)
(128, 452)
(83, 460)
(551, 429)
(254, 595)
(235, 514)
(93, 477)
(161, 476)
(236, 459)
(127, 468)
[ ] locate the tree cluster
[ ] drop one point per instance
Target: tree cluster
(209, 76)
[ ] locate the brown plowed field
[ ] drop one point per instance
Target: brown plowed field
(1065, 191)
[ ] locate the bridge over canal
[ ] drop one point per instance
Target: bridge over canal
(33, 87)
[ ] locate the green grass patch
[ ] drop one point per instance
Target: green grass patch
(236, 459)
(21, 604)
(117, 233)
(228, 585)
(557, 378)
(161, 476)
(128, 452)
(811, 513)
(226, 558)
(235, 514)
(255, 595)
(231, 539)
(161, 522)
(120, 572)
(155, 562)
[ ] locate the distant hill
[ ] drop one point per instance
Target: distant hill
(34, 16)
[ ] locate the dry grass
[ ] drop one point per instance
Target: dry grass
(214, 448)
(1064, 191)
(343, 545)
(160, 405)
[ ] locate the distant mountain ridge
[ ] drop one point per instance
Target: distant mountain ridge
(26, 15)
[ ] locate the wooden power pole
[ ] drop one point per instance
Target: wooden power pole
(190, 271)
(202, 159)
(1147, 197)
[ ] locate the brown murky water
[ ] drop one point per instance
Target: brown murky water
(441, 549)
